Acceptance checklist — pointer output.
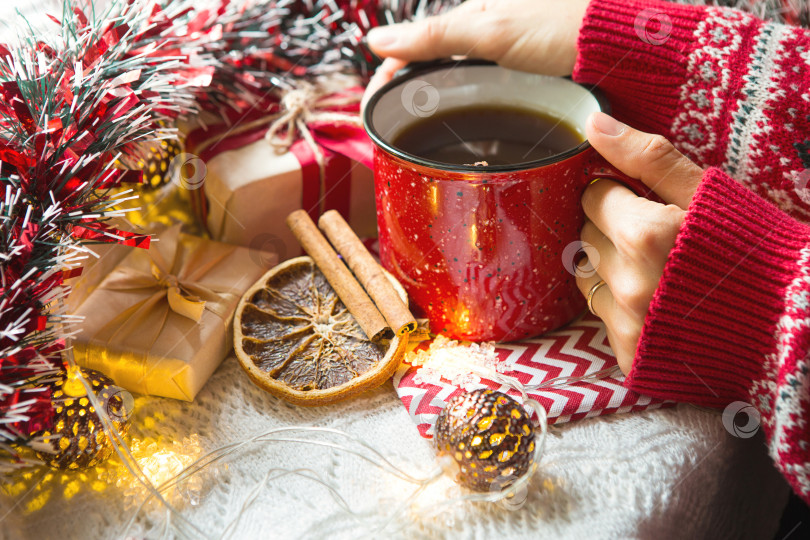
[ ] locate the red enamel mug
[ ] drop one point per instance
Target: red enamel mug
(484, 252)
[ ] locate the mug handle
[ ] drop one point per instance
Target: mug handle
(597, 167)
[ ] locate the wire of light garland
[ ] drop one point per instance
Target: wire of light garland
(383, 464)
(333, 491)
(223, 451)
(568, 379)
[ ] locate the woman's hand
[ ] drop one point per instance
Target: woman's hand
(530, 35)
(632, 235)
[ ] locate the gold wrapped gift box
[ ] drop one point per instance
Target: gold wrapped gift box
(160, 322)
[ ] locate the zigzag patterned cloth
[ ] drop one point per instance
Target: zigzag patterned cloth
(579, 349)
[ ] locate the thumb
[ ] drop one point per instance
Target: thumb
(433, 37)
(384, 73)
(647, 157)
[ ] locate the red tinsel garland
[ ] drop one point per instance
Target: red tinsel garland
(69, 117)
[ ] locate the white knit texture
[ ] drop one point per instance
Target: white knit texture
(653, 474)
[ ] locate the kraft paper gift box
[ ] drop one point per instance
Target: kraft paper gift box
(161, 322)
(252, 183)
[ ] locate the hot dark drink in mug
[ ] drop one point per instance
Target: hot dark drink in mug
(488, 135)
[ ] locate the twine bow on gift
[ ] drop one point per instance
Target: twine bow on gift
(305, 105)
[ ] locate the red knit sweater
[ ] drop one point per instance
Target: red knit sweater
(730, 320)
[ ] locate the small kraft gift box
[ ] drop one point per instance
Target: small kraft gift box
(304, 149)
(160, 322)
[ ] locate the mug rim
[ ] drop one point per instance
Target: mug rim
(427, 67)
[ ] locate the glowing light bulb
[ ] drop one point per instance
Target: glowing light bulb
(73, 386)
(162, 462)
(161, 466)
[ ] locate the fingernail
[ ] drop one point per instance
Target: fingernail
(382, 36)
(607, 125)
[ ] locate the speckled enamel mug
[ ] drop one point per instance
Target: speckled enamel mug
(485, 253)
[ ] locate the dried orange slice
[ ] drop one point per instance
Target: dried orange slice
(295, 338)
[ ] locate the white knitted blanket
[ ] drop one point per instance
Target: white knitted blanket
(654, 474)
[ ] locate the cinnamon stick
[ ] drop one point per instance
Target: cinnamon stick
(368, 272)
(351, 293)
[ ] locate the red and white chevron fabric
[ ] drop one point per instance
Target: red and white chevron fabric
(576, 350)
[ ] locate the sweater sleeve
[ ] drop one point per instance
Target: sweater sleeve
(730, 320)
(728, 89)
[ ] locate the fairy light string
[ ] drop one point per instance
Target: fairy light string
(365, 452)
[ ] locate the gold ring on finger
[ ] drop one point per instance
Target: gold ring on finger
(593, 292)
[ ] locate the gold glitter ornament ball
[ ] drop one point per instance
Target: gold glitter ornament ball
(77, 437)
(490, 437)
